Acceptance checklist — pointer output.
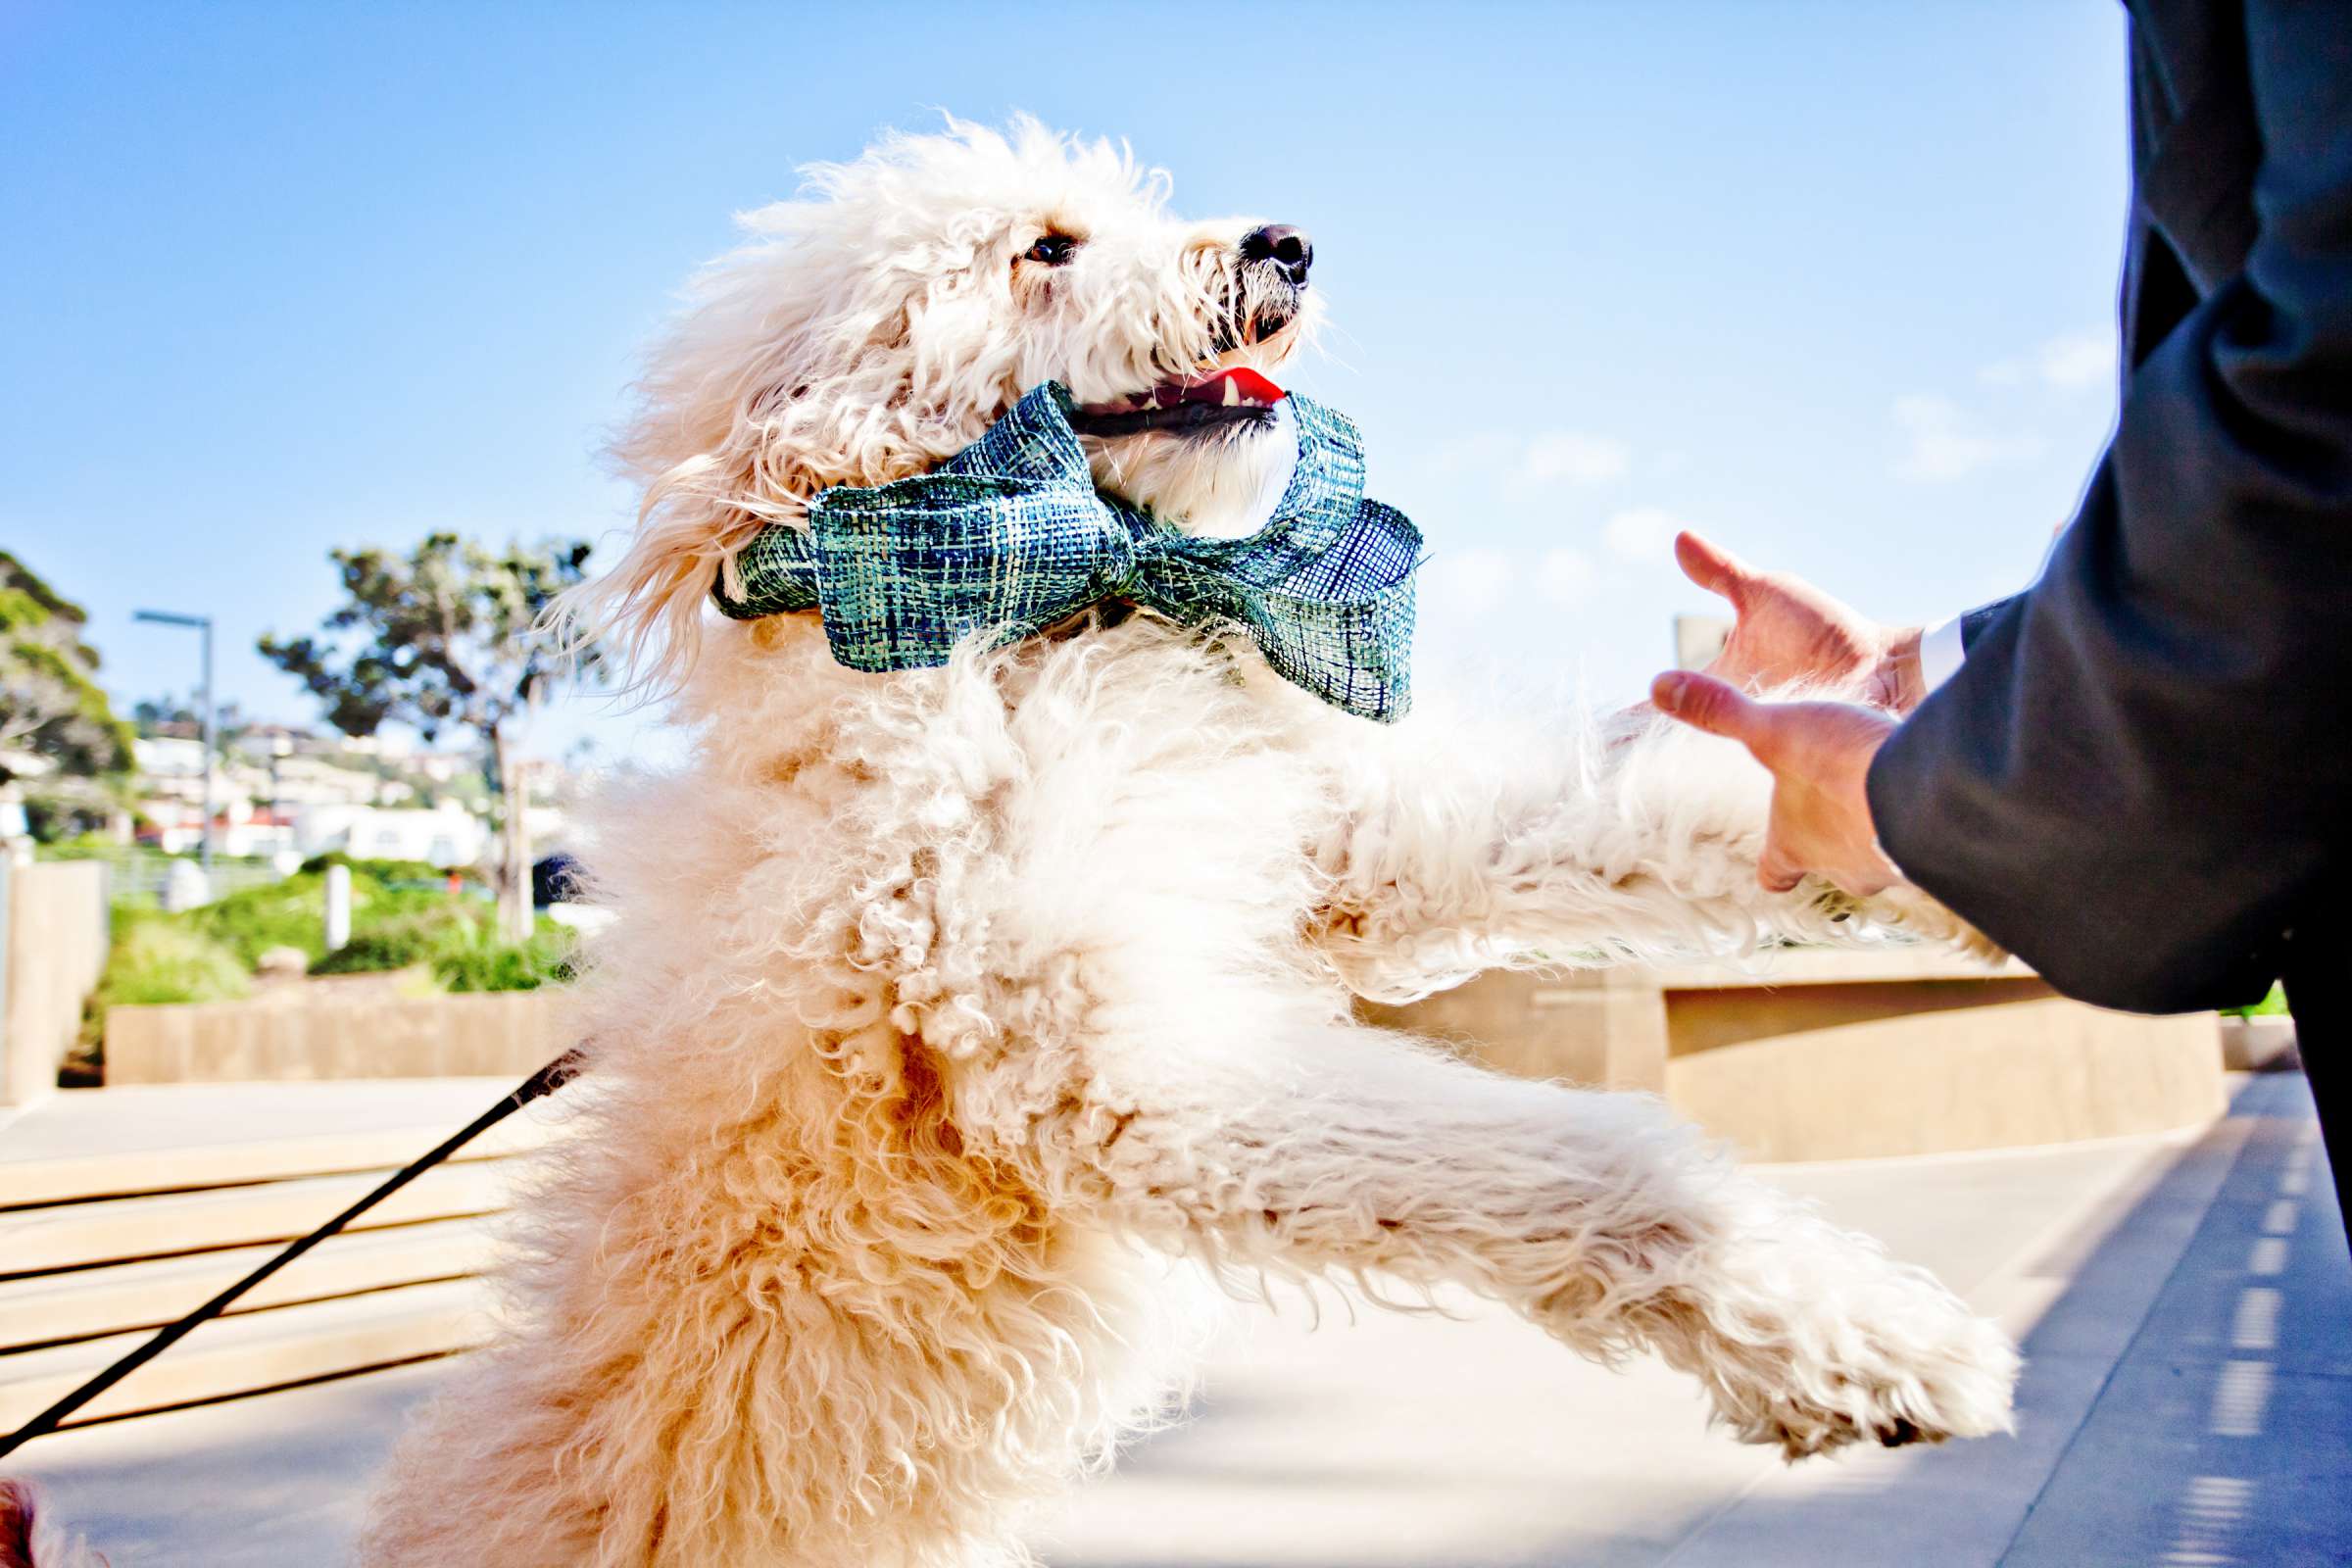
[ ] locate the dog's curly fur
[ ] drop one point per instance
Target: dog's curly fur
(942, 1007)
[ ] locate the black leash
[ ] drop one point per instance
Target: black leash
(554, 1075)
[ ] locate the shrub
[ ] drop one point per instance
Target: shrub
(459, 940)
(398, 938)
(291, 913)
(388, 871)
(154, 960)
(162, 960)
(80, 846)
(2269, 1006)
(486, 963)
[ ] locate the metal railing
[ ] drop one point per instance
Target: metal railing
(143, 876)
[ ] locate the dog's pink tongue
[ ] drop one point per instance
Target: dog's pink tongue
(1227, 388)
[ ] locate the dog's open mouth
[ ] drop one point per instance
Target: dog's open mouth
(1212, 400)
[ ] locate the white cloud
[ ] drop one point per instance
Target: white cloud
(1575, 458)
(1565, 576)
(1465, 582)
(1644, 534)
(2067, 362)
(1941, 443)
(2078, 360)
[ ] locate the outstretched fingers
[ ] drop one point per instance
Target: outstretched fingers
(1719, 707)
(1710, 565)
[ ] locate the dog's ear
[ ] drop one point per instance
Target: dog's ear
(788, 372)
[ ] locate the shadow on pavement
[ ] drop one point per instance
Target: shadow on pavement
(2186, 1403)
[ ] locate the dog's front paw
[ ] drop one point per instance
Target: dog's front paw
(1889, 1395)
(1815, 1339)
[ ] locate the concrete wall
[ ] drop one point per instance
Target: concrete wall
(1603, 1027)
(1843, 1055)
(1835, 1072)
(54, 942)
(1829, 1057)
(508, 1033)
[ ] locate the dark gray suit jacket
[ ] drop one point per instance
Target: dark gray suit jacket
(2140, 779)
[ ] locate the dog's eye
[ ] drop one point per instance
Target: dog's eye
(1052, 249)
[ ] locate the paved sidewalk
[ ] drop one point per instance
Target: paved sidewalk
(2188, 1401)
(2225, 1434)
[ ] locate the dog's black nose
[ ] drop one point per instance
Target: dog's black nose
(1288, 248)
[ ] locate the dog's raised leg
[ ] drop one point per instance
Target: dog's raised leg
(1635, 840)
(1615, 1227)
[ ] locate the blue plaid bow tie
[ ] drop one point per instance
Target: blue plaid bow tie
(1009, 536)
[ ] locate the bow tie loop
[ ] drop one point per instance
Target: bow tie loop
(1009, 536)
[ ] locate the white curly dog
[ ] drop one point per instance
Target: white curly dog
(943, 1006)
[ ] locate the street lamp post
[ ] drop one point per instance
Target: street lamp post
(204, 624)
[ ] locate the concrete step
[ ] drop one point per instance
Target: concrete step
(64, 1178)
(74, 1235)
(86, 1303)
(255, 1351)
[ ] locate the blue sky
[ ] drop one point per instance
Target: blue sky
(1831, 282)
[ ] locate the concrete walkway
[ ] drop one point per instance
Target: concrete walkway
(2184, 1305)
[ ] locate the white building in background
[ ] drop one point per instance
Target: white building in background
(239, 829)
(170, 778)
(167, 762)
(289, 795)
(448, 835)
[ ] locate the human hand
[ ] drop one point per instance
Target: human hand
(1789, 631)
(1819, 755)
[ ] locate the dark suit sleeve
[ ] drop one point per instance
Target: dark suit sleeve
(1974, 623)
(2143, 771)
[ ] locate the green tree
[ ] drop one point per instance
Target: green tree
(62, 750)
(440, 639)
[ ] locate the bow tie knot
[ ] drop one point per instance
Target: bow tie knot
(1121, 573)
(1009, 536)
